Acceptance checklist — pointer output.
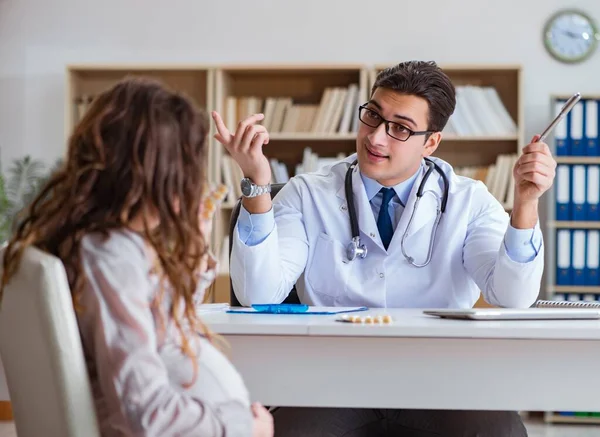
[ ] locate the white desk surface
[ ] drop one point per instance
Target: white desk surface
(407, 323)
(419, 361)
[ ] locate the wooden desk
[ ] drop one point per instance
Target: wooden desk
(417, 362)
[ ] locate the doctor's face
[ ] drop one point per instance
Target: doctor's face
(393, 155)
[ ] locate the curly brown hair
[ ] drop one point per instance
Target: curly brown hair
(139, 150)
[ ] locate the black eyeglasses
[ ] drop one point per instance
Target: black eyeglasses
(393, 129)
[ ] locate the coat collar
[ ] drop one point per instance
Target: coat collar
(425, 213)
(402, 190)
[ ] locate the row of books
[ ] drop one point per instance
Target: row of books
(577, 192)
(311, 162)
(480, 112)
(232, 173)
(337, 112)
(498, 178)
(577, 257)
(577, 133)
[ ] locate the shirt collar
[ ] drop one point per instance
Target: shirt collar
(402, 189)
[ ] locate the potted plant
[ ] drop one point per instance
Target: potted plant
(18, 188)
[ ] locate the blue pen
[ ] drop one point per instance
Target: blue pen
(280, 308)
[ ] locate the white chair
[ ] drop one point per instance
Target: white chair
(42, 354)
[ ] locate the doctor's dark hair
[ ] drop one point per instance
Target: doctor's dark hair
(422, 79)
(139, 147)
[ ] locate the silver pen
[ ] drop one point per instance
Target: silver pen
(563, 112)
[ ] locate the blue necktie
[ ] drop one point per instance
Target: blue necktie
(384, 222)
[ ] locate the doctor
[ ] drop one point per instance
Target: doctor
(398, 229)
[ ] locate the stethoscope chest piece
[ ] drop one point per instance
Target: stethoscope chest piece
(355, 249)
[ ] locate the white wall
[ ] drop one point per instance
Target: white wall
(38, 37)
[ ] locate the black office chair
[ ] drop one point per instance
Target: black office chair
(235, 212)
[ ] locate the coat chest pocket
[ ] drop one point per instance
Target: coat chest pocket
(328, 270)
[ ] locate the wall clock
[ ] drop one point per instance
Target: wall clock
(571, 36)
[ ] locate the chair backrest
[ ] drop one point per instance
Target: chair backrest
(42, 354)
(235, 212)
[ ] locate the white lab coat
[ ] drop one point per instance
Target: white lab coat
(307, 248)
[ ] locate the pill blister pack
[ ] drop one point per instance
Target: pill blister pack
(211, 198)
(379, 319)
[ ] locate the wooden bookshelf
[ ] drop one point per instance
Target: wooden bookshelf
(246, 88)
(86, 81)
(303, 86)
(241, 90)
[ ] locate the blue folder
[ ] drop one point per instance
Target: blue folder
(294, 309)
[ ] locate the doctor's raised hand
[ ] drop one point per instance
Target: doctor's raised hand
(534, 174)
(245, 147)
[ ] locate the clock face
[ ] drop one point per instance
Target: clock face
(570, 36)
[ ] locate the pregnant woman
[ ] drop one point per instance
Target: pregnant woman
(125, 215)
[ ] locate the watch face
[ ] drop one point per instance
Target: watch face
(570, 36)
(246, 187)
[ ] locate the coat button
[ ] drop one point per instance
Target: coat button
(381, 275)
(343, 208)
(372, 235)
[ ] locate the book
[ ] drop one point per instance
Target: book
(566, 304)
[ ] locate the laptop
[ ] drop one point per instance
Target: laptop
(516, 314)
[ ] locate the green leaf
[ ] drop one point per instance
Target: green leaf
(22, 182)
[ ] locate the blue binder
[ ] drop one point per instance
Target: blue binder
(563, 192)
(592, 258)
(591, 119)
(578, 256)
(578, 192)
(576, 130)
(561, 131)
(593, 193)
(563, 257)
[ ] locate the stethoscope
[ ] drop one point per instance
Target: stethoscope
(356, 249)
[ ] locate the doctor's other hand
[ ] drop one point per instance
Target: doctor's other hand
(262, 425)
(534, 172)
(245, 146)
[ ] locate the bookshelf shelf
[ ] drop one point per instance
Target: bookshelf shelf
(305, 136)
(577, 159)
(573, 225)
(451, 137)
(573, 289)
(559, 418)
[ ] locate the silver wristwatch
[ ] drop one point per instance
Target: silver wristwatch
(250, 189)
